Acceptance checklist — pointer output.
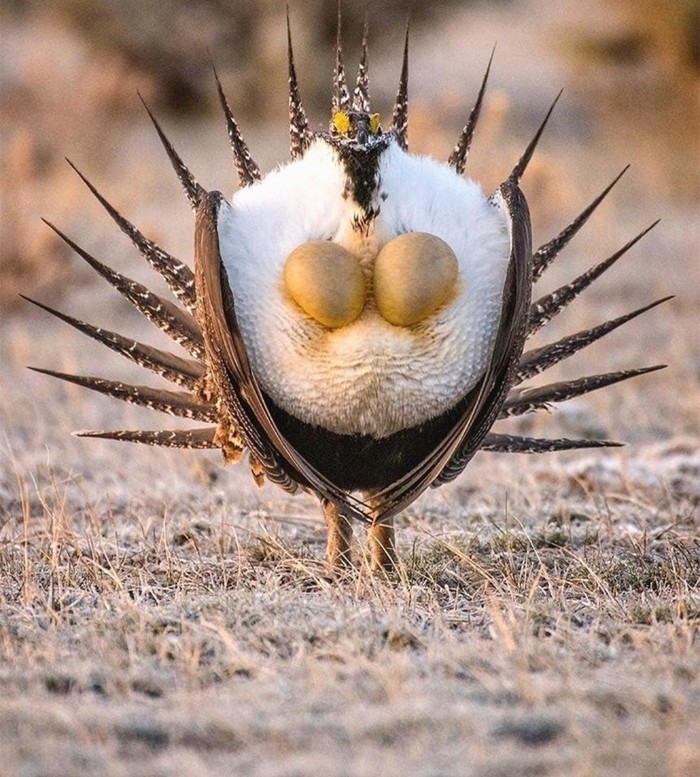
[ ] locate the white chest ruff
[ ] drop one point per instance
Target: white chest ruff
(369, 377)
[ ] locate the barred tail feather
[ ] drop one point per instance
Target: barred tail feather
(360, 97)
(537, 360)
(458, 157)
(189, 183)
(183, 372)
(546, 253)
(399, 119)
(528, 400)
(248, 170)
(177, 275)
(169, 318)
(175, 438)
(341, 95)
(508, 443)
(299, 134)
(177, 403)
(524, 160)
(545, 308)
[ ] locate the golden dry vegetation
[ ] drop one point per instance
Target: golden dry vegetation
(159, 615)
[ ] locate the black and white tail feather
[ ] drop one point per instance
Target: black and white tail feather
(217, 386)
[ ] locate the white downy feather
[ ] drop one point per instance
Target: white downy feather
(369, 377)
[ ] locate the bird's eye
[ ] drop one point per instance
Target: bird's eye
(374, 123)
(341, 122)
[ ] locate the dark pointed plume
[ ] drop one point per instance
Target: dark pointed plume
(529, 400)
(399, 119)
(537, 360)
(458, 157)
(248, 171)
(341, 95)
(177, 403)
(183, 372)
(509, 443)
(177, 275)
(299, 135)
(170, 319)
(167, 438)
(546, 253)
(360, 97)
(548, 306)
(524, 160)
(189, 183)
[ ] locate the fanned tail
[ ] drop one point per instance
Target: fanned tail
(247, 422)
(538, 360)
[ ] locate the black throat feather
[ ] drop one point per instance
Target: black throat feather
(361, 165)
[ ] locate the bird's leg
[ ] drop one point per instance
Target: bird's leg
(382, 544)
(339, 536)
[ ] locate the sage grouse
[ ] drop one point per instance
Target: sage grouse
(356, 319)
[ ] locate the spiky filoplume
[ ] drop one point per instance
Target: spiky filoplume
(219, 381)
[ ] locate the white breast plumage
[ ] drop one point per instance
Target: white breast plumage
(370, 377)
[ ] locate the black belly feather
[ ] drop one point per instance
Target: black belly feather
(360, 462)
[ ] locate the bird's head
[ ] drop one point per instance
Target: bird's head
(355, 129)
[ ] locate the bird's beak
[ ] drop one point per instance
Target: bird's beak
(362, 131)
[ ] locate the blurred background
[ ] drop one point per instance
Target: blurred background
(70, 71)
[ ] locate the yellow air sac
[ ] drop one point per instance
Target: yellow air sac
(326, 281)
(414, 274)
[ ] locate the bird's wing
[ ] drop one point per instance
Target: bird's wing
(278, 459)
(234, 377)
(482, 405)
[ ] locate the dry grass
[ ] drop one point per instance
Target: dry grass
(195, 630)
(161, 616)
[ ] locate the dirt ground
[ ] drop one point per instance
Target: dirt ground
(160, 615)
